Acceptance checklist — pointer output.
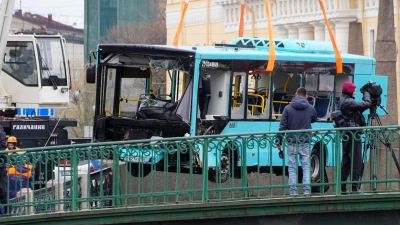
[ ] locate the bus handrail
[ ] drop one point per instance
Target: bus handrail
(126, 100)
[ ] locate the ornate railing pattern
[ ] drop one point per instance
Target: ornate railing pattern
(213, 168)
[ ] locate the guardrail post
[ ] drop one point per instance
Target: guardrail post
(205, 170)
(116, 191)
(74, 180)
(85, 186)
(245, 182)
(338, 162)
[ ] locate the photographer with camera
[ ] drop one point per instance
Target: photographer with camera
(352, 110)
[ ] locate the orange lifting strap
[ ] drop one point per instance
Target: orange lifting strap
(272, 55)
(179, 30)
(241, 24)
(339, 66)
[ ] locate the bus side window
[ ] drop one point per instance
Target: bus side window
(339, 80)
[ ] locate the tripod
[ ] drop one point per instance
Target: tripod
(373, 137)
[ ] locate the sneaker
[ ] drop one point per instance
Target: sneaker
(357, 192)
(293, 194)
(307, 194)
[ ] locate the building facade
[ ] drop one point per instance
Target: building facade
(217, 21)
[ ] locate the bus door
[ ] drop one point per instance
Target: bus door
(249, 108)
(249, 113)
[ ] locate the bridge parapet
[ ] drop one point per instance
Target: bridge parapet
(144, 174)
(57, 196)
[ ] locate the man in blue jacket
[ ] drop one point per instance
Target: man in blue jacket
(298, 115)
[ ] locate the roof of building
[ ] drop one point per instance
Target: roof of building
(46, 22)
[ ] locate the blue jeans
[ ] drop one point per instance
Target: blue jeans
(304, 151)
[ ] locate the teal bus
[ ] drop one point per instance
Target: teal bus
(220, 89)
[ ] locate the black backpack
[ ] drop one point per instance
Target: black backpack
(337, 117)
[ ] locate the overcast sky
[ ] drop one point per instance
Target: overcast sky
(64, 11)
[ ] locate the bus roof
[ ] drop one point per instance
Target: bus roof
(241, 49)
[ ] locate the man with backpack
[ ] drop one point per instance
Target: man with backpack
(351, 141)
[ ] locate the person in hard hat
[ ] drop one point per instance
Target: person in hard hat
(20, 172)
(12, 144)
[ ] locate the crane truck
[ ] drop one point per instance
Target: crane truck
(34, 80)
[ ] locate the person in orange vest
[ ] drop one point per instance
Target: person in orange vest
(19, 174)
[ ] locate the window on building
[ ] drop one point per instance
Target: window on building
(371, 42)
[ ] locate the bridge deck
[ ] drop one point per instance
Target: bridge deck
(214, 210)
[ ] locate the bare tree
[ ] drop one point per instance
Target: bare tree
(151, 31)
(81, 104)
(82, 98)
(139, 33)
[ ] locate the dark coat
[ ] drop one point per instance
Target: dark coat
(3, 175)
(3, 160)
(352, 110)
(298, 115)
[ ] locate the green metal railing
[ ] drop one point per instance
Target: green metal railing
(93, 176)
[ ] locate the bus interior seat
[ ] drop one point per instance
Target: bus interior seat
(286, 98)
(253, 100)
(262, 91)
(311, 98)
(278, 96)
(204, 95)
(322, 105)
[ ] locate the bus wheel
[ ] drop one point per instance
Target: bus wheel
(315, 172)
(138, 169)
(220, 174)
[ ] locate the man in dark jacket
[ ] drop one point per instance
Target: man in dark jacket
(298, 115)
(351, 141)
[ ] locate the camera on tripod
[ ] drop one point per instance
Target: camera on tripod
(375, 90)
